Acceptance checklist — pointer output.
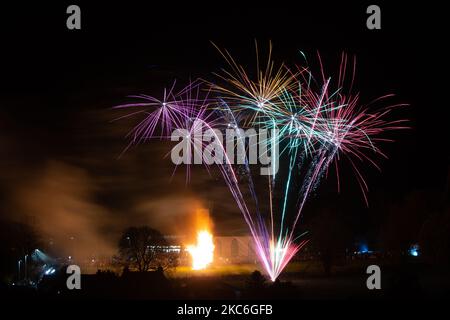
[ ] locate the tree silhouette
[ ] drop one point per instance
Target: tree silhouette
(330, 236)
(141, 247)
(407, 219)
(16, 241)
(256, 281)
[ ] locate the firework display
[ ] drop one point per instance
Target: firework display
(317, 121)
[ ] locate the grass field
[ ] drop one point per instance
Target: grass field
(295, 268)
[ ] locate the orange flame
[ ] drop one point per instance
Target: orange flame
(203, 252)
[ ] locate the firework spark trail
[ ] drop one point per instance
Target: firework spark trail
(170, 112)
(317, 126)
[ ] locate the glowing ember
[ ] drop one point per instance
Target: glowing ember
(202, 253)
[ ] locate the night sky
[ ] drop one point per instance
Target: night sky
(60, 149)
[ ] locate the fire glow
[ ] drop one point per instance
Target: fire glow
(203, 252)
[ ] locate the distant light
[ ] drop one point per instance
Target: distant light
(70, 257)
(414, 250)
(50, 271)
(363, 248)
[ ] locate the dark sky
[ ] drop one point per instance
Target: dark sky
(58, 87)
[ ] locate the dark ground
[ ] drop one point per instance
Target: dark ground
(410, 281)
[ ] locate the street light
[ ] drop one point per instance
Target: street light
(26, 256)
(18, 267)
